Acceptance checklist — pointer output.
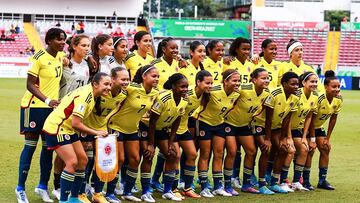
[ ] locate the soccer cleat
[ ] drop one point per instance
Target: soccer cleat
(235, 182)
(191, 193)
(130, 197)
(177, 194)
(277, 189)
(268, 179)
(206, 193)
(249, 190)
(181, 185)
(147, 197)
(171, 196)
(221, 192)
(286, 187)
(157, 186)
(43, 194)
(254, 181)
(21, 196)
(83, 198)
(56, 193)
(119, 190)
(297, 186)
(325, 185)
(112, 198)
(99, 198)
(135, 189)
(265, 191)
(74, 200)
(231, 191)
(308, 186)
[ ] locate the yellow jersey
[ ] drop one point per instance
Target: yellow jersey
(79, 103)
(215, 69)
(244, 69)
(108, 104)
(246, 106)
(306, 105)
(281, 106)
(325, 109)
(274, 70)
(218, 106)
(193, 104)
(290, 66)
(137, 103)
(48, 70)
(134, 61)
(166, 108)
(165, 70)
(190, 73)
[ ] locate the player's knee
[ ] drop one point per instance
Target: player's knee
(134, 161)
(191, 156)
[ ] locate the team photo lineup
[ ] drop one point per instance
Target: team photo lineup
(113, 114)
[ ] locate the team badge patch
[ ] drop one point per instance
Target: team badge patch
(32, 124)
(227, 129)
(144, 134)
(311, 104)
(334, 107)
(291, 104)
(157, 106)
(259, 129)
(202, 133)
(67, 137)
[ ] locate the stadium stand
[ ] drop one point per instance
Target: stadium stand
(349, 48)
(312, 35)
(13, 44)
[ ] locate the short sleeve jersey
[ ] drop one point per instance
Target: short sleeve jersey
(246, 106)
(281, 106)
(134, 61)
(165, 70)
(74, 77)
(215, 69)
(190, 72)
(77, 103)
(105, 64)
(306, 105)
(48, 70)
(325, 109)
(137, 103)
(218, 106)
(274, 70)
(108, 104)
(244, 69)
(114, 63)
(193, 104)
(166, 108)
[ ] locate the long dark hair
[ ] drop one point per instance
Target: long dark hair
(96, 79)
(161, 45)
(264, 44)
(173, 80)
(193, 46)
(96, 41)
(236, 44)
(137, 38)
(201, 77)
(139, 73)
(211, 45)
(329, 76)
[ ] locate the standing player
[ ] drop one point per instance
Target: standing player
(102, 49)
(252, 96)
(296, 64)
(141, 94)
(300, 123)
(120, 52)
(195, 64)
(212, 130)
(160, 125)
(43, 84)
(271, 126)
(328, 107)
(140, 55)
(60, 127)
(213, 62)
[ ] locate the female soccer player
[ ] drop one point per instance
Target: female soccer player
(75, 75)
(140, 55)
(166, 61)
(120, 52)
(212, 130)
(102, 49)
(300, 123)
(163, 122)
(328, 106)
(240, 50)
(141, 94)
(197, 54)
(296, 64)
(196, 95)
(60, 127)
(41, 97)
(98, 120)
(267, 61)
(237, 121)
(213, 62)
(271, 126)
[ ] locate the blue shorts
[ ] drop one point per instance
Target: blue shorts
(159, 134)
(184, 137)
(206, 131)
(56, 141)
(119, 135)
(33, 119)
(191, 122)
(258, 130)
(244, 131)
(320, 132)
(86, 138)
(297, 133)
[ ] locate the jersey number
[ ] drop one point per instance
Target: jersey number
(270, 76)
(142, 107)
(80, 83)
(245, 79)
(302, 113)
(252, 109)
(168, 119)
(324, 116)
(281, 114)
(216, 75)
(223, 110)
(58, 71)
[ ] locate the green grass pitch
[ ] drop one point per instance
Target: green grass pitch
(344, 166)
